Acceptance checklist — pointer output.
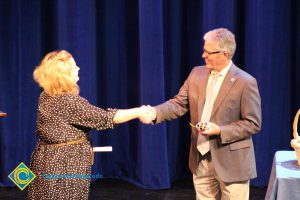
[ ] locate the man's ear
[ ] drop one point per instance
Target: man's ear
(226, 54)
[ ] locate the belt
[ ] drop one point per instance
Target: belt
(71, 142)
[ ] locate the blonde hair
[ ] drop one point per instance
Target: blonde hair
(54, 74)
(224, 37)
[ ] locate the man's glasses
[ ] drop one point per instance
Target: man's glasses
(211, 52)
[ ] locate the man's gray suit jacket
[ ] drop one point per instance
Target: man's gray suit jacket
(237, 111)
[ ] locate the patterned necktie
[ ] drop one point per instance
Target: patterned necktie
(211, 94)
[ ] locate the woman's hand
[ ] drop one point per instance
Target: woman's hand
(147, 114)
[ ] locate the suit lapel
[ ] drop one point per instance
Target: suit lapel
(202, 83)
(228, 82)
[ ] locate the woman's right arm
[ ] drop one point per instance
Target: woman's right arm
(124, 115)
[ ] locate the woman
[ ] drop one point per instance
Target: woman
(62, 158)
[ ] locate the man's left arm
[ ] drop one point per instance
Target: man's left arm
(250, 122)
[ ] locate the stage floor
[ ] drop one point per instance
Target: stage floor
(112, 189)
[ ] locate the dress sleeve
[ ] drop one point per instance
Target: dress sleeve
(82, 113)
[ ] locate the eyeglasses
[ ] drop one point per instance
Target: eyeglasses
(210, 53)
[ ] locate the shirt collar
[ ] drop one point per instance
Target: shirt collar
(224, 71)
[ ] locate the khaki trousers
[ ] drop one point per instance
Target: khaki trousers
(209, 186)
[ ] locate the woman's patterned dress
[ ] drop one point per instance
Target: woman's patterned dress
(63, 171)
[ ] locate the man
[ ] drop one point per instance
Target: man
(225, 109)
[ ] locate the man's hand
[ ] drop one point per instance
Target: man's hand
(147, 115)
(208, 128)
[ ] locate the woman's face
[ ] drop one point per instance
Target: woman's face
(74, 71)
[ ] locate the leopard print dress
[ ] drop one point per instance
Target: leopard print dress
(63, 172)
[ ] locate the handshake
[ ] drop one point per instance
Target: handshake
(147, 114)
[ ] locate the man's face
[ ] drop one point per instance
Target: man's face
(215, 58)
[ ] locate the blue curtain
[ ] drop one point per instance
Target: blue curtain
(140, 52)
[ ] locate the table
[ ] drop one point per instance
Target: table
(284, 182)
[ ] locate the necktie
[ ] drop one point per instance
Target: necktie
(211, 93)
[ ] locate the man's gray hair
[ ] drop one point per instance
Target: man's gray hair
(225, 39)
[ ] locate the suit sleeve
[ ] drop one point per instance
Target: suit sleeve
(250, 116)
(175, 107)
